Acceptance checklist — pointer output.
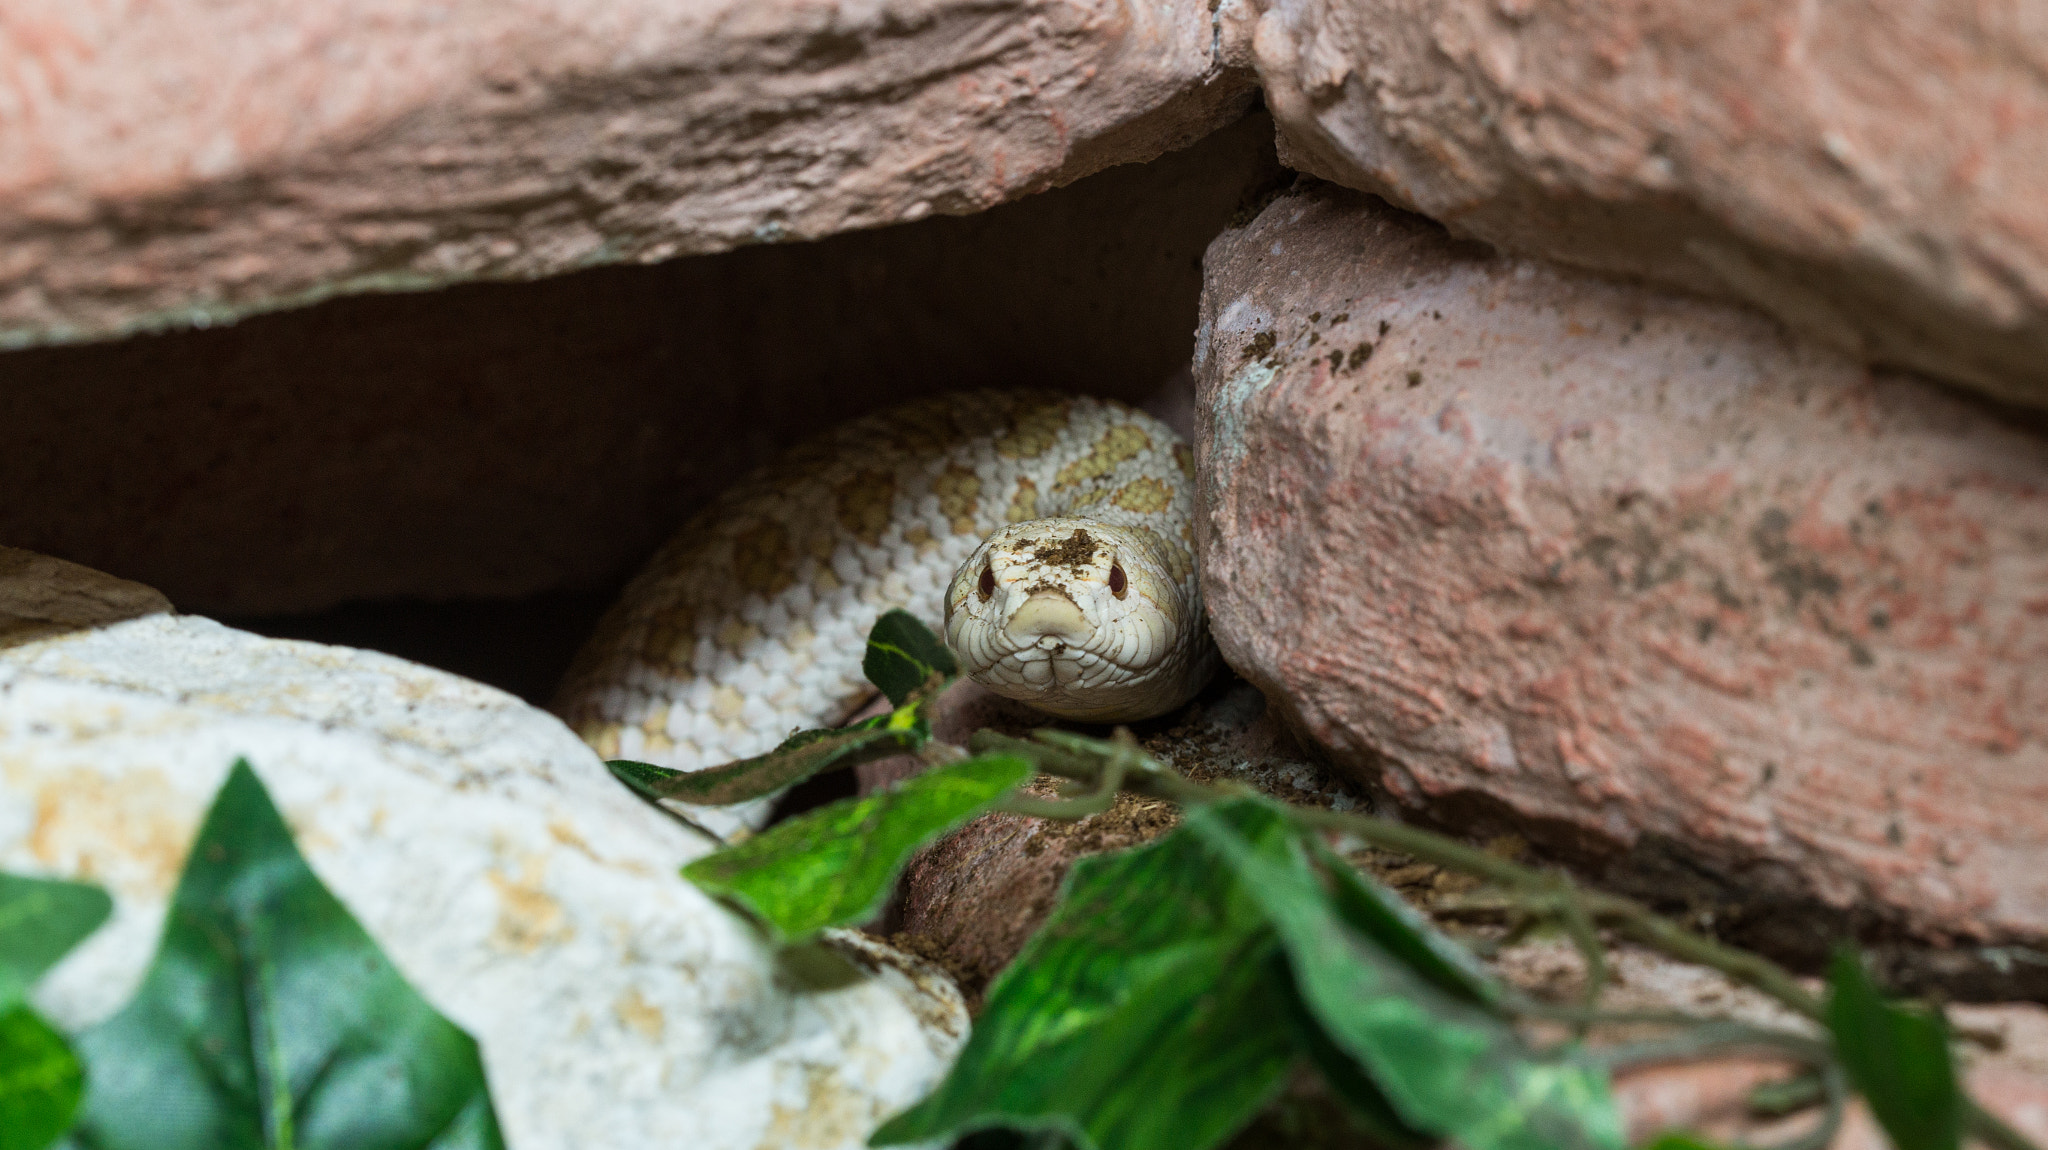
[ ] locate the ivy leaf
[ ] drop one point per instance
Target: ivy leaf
(1148, 1013)
(835, 865)
(1679, 1140)
(904, 658)
(40, 920)
(1340, 1072)
(800, 756)
(39, 1081)
(1400, 930)
(1448, 1067)
(1899, 1059)
(904, 655)
(269, 1018)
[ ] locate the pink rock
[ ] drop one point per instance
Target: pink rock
(1642, 571)
(1868, 171)
(198, 159)
(498, 440)
(1710, 1100)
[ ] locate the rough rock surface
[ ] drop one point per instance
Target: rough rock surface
(196, 160)
(1868, 171)
(505, 439)
(521, 890)
(1662, 585)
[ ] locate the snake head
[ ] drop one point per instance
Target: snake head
(1077, 617)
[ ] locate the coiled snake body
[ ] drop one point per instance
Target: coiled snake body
(1052, 536)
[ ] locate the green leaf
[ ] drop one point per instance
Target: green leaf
(40, 920)
(39, 1081)
(800, 756)
(1898, 1059)
(1341, 1073)
(1148, 1013)
(1400, 930)
(1447, 1066)
(1679, 1140)
(904, 655)
(269, 1018)
(835, 865)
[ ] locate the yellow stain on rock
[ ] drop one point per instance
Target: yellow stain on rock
(639, 1015)
(528, 916)
(565, 834)
(831, 1115)
(80, 812)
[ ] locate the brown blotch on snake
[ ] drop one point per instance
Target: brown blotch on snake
(1075, 553)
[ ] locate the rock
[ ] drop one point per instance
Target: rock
(41, 597)
(524, 893)
(1869, 173)
(2004, 1051)
(500, 440)
(1666, 589)
(194, 161)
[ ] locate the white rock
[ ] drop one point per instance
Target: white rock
(527, 895)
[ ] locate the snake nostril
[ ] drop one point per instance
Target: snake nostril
(988, 582)
(1117, 582)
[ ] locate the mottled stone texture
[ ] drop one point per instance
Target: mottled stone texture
(1656, 580)
(1869, 171)
(197, 159)
(500, 440)
(514, 882)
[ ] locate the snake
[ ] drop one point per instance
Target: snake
(1049, 538)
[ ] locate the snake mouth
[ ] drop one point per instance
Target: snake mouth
(1048, 620)
(1051, 647)
(1051, 667)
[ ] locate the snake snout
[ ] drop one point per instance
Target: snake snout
(1048, 615)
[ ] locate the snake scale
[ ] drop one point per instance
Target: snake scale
(1050, 537)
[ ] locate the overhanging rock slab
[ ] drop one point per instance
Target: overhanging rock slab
(194, 161)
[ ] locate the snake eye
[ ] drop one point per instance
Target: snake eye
(988, 582)
(1117, 582)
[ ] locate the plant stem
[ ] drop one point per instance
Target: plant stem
(1072, 756)
(1636, 922)
(1090, 761)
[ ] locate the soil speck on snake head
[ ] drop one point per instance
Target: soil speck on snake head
(1075, 553)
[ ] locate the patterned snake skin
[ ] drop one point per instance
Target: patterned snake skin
(752, 621)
